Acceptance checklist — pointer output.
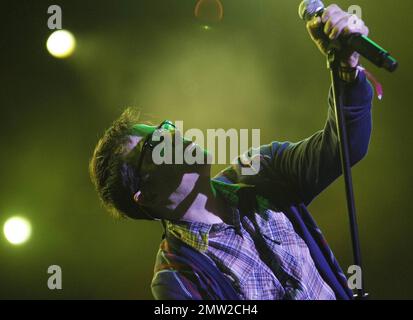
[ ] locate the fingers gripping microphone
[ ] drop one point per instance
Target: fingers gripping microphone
(363, 45)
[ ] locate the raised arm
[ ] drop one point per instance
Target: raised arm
(300, 171)
(309, 166)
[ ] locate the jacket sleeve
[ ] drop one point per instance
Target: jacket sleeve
(310, 165)
(174, 285)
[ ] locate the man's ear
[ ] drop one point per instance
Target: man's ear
(140, 199)
(137, 197)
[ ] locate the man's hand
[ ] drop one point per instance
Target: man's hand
(337, 22)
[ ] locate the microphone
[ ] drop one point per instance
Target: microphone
(363, 45)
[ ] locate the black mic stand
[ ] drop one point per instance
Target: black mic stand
(333, 63)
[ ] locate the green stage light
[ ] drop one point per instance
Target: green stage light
(17, 230)
(61, 44)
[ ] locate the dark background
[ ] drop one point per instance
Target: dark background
(257, 68)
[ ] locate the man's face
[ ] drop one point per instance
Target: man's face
(160, 181)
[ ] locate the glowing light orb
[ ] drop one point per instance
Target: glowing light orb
(61, 44)
(17, 230)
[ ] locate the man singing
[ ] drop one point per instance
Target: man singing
(238, 236)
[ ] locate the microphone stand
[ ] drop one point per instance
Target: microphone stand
(333, 63)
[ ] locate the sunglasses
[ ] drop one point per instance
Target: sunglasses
(151, 141)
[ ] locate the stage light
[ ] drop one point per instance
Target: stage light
(17, 230)
(61, 44)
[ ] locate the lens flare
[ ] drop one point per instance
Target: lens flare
(209, 11)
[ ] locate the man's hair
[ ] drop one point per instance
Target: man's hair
(114, 178)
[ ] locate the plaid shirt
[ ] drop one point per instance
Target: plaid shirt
(288, 271)
(274, 248)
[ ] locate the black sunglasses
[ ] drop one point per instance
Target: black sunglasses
(150, 142)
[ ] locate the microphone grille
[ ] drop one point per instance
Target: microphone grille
(309, 8)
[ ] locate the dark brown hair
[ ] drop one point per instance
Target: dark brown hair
(114, 178)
